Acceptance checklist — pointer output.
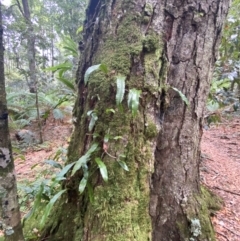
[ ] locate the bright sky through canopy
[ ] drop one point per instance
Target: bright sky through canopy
(6, 2)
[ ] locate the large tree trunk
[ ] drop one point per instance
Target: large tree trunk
(158, 46)
(10, 218)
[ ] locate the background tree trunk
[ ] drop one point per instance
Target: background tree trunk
(157, 46)
(10, 219)
(32, 83)
(30, 36)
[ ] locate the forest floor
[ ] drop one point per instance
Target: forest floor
(220, 167)
(220, 171)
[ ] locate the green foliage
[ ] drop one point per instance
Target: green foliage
(103, 169)
(133, 100)
(69, 46)
(80, 163)
(183, 97)
(93, 68)
(67, 83)
(49, 207)
(64, 171)
(93, 119)
(70, 50)
(82, 185)
(63, 67)
(217, 85)
(22, 107)
(53, 163)
(79, 30)
(46, 189)
(85, 158)
(120, 89)
(110, 111)
(214, 99)
(123, 165)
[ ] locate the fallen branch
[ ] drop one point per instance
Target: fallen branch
(235, 193)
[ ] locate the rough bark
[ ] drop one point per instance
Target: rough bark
(192, 34)
(158, 46)
(10, 219)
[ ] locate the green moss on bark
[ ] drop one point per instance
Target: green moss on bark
(120, 209)
(198, 209)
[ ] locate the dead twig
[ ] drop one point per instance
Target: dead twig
(225, 190)
(231, 231)
(222, 235)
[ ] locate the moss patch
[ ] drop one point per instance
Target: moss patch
(198, 210)
(151, 130)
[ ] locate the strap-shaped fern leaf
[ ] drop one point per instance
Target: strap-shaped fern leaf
(133, 100)
(102, 168)
(93, 68)
(120, 89)
(183, 97)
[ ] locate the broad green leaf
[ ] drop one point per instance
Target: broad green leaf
(92, 122)
(53, 163)
(69, 45)
(28, 215)
(89, 71)
(64, 66)
(85, 171)
(79, 30)
(110, 110)
(56, 180)
(133, 100)
(72, 50)
(117, 137)
(183, 97)
(106, 138)
(95, 135)
(123, 165)
(89, 112)
(61, 72)
(65, 170)
(82, 185)
(36, 204)
(122, 155)
(120, 89)
(94, 147)
(67, 83)
(103, 68)
(90, 192)
(82, 160)
(49, 207)
(103, 169)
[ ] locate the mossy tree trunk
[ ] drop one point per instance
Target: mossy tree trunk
(10, 218)
(157, 46)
